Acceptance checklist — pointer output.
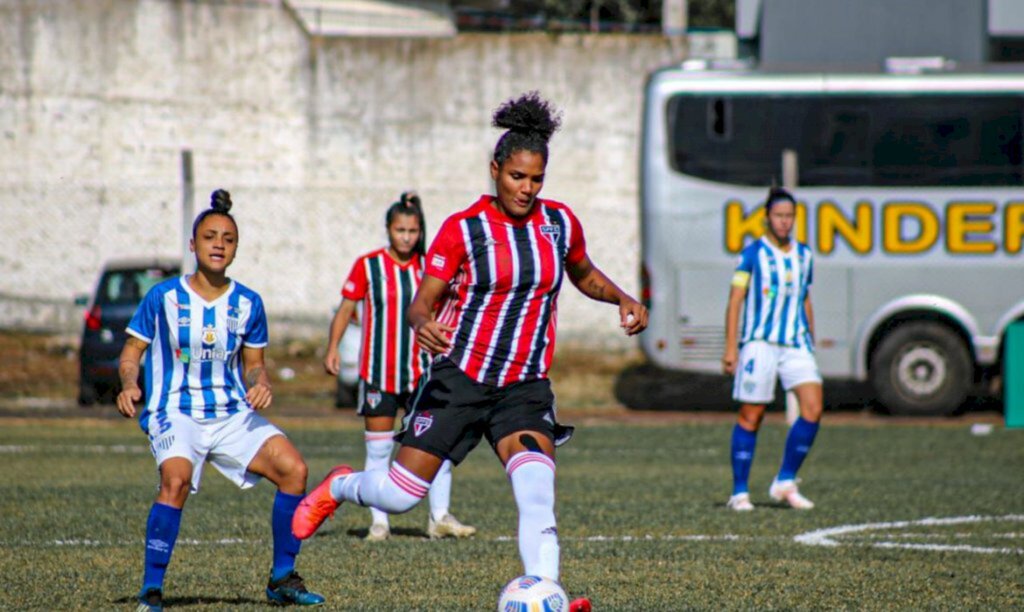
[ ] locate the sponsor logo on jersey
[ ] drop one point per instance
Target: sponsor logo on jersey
(209, 335)
(350, 286)
(422, 423)
(437, 261)
(551, 232)
(373, 398)
(184, 355)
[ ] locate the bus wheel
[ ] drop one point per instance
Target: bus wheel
(921, 368)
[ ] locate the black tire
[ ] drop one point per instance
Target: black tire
(921, 368)
(86, 395)
(345, 396)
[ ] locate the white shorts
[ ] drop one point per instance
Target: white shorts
(761, 363)
(230, 443)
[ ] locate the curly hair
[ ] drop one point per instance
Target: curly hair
(529, 121)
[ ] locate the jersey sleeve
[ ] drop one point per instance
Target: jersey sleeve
(447, 252)
(256, 329)
(577, 241)
(744, 268)
(356, 285)
(143, 323)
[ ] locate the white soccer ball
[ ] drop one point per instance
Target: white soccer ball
(533, 594)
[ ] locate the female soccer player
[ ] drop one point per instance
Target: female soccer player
(392, 361)
(497, 267)
(772, 285)
(205, 380)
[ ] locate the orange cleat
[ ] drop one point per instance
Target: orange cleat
(581, 604)
(316, 507)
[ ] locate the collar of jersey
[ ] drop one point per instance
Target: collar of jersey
(184, 283)
(496, 214)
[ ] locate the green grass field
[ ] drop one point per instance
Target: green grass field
(641, 517)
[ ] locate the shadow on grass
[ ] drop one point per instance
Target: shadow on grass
(197, 601)
(647, 387)
(401, 532)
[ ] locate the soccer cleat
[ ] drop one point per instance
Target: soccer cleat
(291, 590)
(786, 490)
(151, 601)
(740, 503)
(315, 507)
(378, 532)
(580, 604)
(448, 526)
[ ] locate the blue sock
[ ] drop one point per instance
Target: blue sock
(743, 443)
(286, 546)
(161, 532)
(798, 444)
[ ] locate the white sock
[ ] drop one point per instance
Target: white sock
(395, 491)
(441, 491)
(533, 484)
(378, 456)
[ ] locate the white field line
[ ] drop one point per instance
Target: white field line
(126, 449)
(829, 537)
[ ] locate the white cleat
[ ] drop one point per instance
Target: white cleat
(378, 532)
(740, 503)
(448, 526)
(787, 491)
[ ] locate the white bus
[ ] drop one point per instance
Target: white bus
(910, 194)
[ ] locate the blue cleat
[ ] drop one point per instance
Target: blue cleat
(152, 600)
(291, 590)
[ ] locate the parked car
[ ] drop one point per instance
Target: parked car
(121, 286)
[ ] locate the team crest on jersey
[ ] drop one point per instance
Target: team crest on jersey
(551, 232)
(421, 423)
(232, 324)
(209, 335)
(373, 398)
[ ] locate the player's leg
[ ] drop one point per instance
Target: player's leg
(175, 445)
(529, 459)
(799, 373)
(379, 410)
(753, 388)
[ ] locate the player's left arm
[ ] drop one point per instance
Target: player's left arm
(257, 382)
(593, 283)
(809, 311)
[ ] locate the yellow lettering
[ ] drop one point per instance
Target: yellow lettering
(962, 220)
(832, 221)
(1013, 226)
(801, 223)
(739, 225)
(893, 215)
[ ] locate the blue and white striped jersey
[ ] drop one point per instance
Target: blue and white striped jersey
(777, 283)
(194, 365)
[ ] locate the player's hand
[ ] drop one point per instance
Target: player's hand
(433, 337)
(259, 396)
(126, 400)
(729, 361)
(332, 362)
(632, 317)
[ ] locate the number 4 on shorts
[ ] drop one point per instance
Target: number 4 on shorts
(749, 368)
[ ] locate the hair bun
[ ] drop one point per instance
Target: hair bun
(528, 113)
(410, 199)
(220, 201)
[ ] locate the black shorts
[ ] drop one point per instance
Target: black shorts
(372, 402)
(450, 412)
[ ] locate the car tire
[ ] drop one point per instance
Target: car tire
(86, 395)
(345, 396)
(921, 368)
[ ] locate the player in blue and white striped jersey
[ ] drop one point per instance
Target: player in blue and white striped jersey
(203, 337)
(771, 286)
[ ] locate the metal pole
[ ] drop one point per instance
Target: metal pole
(790, 173)
(187, 210)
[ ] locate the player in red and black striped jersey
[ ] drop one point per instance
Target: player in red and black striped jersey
(391, 361)
(498, 267)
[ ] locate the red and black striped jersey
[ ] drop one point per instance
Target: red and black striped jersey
(391, 359)
(504, 275)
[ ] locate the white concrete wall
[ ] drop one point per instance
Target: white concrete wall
(313, 138)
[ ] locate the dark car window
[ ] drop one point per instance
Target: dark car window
(124, 287)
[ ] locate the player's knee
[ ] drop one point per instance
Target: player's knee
(379, 450)
(174, 489)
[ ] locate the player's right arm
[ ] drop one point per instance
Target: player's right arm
(128, 370)
(332, 359)
(732, 323)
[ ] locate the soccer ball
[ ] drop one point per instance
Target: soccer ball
(533, 594)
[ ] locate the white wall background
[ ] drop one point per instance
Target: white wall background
(314, 138)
